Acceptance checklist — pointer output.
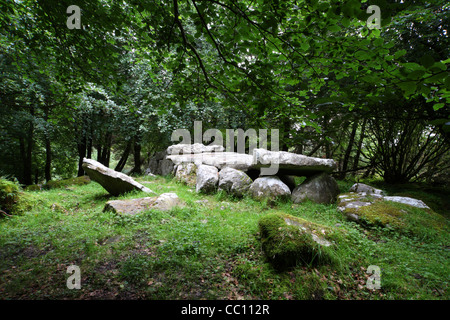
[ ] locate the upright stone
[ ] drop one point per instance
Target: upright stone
(235, 182)
(207, 179)
(116, 183)
(166, 167)
(320, 188)
(270, 187)
(186, 173)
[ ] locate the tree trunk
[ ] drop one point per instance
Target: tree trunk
(358, 149)
(89, 148)
(286, 128)
(27, 151)
(99, 152)
(48, 149)
(48, 160)
(348, 151)
(108, 149)
(105, 150)
(137, 156)
(81, 155)
(124, 158)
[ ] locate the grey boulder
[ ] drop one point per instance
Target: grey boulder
(233, 181)
(365, 189)
(186, 173)
(270, 187)
(320, 188)
(207, 179)
(164, 202)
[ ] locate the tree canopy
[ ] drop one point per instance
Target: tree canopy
(137, 70)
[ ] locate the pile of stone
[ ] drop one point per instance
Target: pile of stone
(264, 174)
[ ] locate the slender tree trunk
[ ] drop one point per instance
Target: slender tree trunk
(99, 152)
(358, 149)
(348, 151)
(48, 149)
(137, 156)
(124, 158)
(108, 153)
(22, 157)
(286, 128)
(28, 152)
(89, 147)
(48, 160)
(81, 155)
(104, 152)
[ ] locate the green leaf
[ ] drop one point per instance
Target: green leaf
(345, 22)
(438, 106)
(334, 28)
(409, 87)
(416, 74)
(426, 60)
(399, 53)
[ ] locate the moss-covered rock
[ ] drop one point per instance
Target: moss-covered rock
(288, 241)
(52, 184)
(9, 195)
(13, 200)
(403, 218)
(33, 187)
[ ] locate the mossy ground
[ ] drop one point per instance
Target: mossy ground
(207, 250)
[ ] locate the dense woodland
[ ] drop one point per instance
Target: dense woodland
(374, 99)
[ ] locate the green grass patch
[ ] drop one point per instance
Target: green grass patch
(213, 248)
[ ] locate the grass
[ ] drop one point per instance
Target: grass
(210, 249)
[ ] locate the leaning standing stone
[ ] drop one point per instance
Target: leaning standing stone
(116, 183)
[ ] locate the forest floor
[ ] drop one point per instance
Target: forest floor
(209, 249)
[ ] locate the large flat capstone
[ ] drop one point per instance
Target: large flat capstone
(116, 183)
(291, 163)
(239, 161)
(268, 162)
